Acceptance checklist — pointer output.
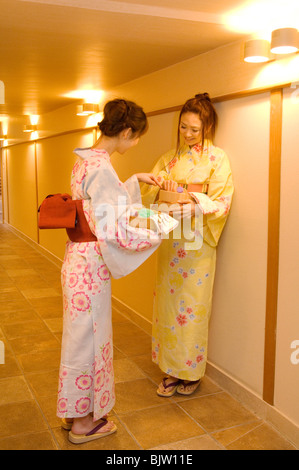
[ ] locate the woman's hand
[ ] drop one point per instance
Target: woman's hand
(148, 178)
(184, 211)
(169, 185)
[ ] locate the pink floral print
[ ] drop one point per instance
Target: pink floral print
(86, 379)
(84, 382)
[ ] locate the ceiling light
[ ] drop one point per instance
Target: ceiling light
(86, 109)
(284, 41)
(256, 51)
(30, 128)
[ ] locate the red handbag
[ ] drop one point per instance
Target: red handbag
(61, 211)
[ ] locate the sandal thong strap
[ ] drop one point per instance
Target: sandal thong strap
(172, 384)
(99, 426)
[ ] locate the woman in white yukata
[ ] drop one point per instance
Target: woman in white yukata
(86, 390)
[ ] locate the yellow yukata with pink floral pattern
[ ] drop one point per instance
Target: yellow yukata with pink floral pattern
(185, 278)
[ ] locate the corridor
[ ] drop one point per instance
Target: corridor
(31, 328)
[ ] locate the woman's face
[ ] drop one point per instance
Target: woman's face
(191, 128)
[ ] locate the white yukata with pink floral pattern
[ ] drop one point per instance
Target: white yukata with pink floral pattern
(86, 381)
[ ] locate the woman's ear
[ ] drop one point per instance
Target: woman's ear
(127, 133)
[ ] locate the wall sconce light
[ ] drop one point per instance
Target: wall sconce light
(87, 109)
(30, 128)
(257, 50)
(3, 131)
(284, 41)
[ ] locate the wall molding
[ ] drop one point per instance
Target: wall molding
(276, 103)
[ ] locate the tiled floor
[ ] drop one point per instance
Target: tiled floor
(31, 327)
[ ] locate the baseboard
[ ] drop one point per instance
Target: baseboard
(132, 315)
(255, 403)
(46, 253)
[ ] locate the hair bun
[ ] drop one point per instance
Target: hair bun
(203, 96)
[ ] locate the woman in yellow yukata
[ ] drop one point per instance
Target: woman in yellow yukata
(183, 296)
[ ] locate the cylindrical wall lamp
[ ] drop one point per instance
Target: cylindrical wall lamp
(284, 41)
(30, 128)
(86, 109)
(256, 51)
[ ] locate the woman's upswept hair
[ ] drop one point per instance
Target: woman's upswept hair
(120, 114)
(202, 106)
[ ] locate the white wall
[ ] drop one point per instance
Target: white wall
(239, 305)
(287, 373)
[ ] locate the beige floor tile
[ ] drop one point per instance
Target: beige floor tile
(117, 354)
(204, 442)
(31, 282)
(127, 330)
(125, 370)
(263, 437)
(161, 425)
(134, 346)
(17, 316)
(27, 328)
(40, 293)
(20, 418)
(9, 294)
(34, 344)
(54, 324)
(49, 407)
(136, 395)
(11, 367)
(44, 384)
(5, 281)
(217, 412)
(49, 307)
(35, 441)
(227, 436)
(15, 273)
(14, 305)
(120, 440)
(117, 317)
(14, 389)
(33, 362)
(14, 263)
(146, 364)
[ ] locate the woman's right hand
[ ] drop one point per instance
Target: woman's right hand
(170, 185)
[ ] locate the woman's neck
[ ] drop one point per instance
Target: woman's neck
(106, 143)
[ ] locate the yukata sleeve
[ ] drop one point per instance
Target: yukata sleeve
(218, 201)
(149, 193)
(221, 189)
(123, 247)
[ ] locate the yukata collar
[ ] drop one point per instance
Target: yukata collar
(196, 149)
(90, 152)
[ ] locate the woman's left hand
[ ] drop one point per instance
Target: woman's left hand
(148, 178)
(184, 211)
